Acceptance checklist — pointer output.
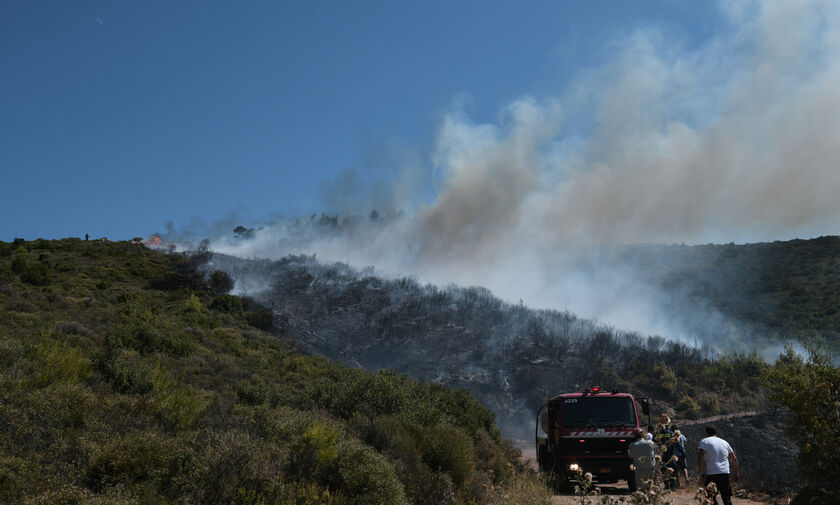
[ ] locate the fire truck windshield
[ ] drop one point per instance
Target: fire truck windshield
(599, 412)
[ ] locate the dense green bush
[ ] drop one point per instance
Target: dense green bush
(69, 494)
(220, 282)
(125, 375)
(19, 264)
(13, 471)
(193, 304)
(55, 362)
(367, 476)
(810, 389)
(226, 303)
(688, 407)
(37, 274)
(261, 318)
(177, 405)
(448, 449)
(137, 457)
(228, 339)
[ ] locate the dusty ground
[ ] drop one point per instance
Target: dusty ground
(682, 496)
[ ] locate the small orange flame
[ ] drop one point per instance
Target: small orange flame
(154, 240)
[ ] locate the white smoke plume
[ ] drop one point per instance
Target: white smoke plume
(737, 140)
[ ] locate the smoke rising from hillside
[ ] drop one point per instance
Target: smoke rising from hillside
(734, 141)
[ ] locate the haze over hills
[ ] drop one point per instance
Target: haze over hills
(512, 356)
(729, 297)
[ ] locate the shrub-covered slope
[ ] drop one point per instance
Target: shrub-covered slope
(510, 357)
(129, 377)
(768, 292)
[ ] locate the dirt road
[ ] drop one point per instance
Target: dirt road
(682, 496)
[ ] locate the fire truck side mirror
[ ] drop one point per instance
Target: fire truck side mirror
(645, 406)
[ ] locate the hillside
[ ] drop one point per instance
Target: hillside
(510, 357)
(128, 376)
(766, 292)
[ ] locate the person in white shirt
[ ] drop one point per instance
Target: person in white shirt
(716, 461)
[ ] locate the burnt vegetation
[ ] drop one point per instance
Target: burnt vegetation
(510, 357)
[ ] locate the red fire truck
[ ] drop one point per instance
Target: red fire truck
(588, 431)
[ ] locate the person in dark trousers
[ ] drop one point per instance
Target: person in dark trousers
(678, 441)
(716, 460)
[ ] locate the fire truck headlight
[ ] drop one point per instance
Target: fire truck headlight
(574, 467)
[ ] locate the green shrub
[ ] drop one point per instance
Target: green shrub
(313, 494)
(664, 380)
(252, 392)
(61, 406)
(313, 455)
(228, 339)
(260, 318)
(13, 478)
(430, 488)
(69, 494)
(490, 457)
(177, 406)
(367, 476)
(688, 407)
(450, 450)
(41, 244)
(140, 457)
(193, 304)
(178, 343)
(229, 463)
(321, 439)
(226, 303)
(142, 336)
(19, 264)
(709, 402)
(37, 274)
(56, 362)
(810, 389)
(125, 376)
(220, 282)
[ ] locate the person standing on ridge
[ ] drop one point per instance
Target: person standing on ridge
(714, 460)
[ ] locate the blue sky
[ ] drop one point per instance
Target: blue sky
(118, 116)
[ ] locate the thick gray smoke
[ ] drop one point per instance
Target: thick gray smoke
(737, 140)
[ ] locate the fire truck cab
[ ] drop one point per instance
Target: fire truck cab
(588, 431)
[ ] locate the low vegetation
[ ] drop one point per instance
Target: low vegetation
(127, 376)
